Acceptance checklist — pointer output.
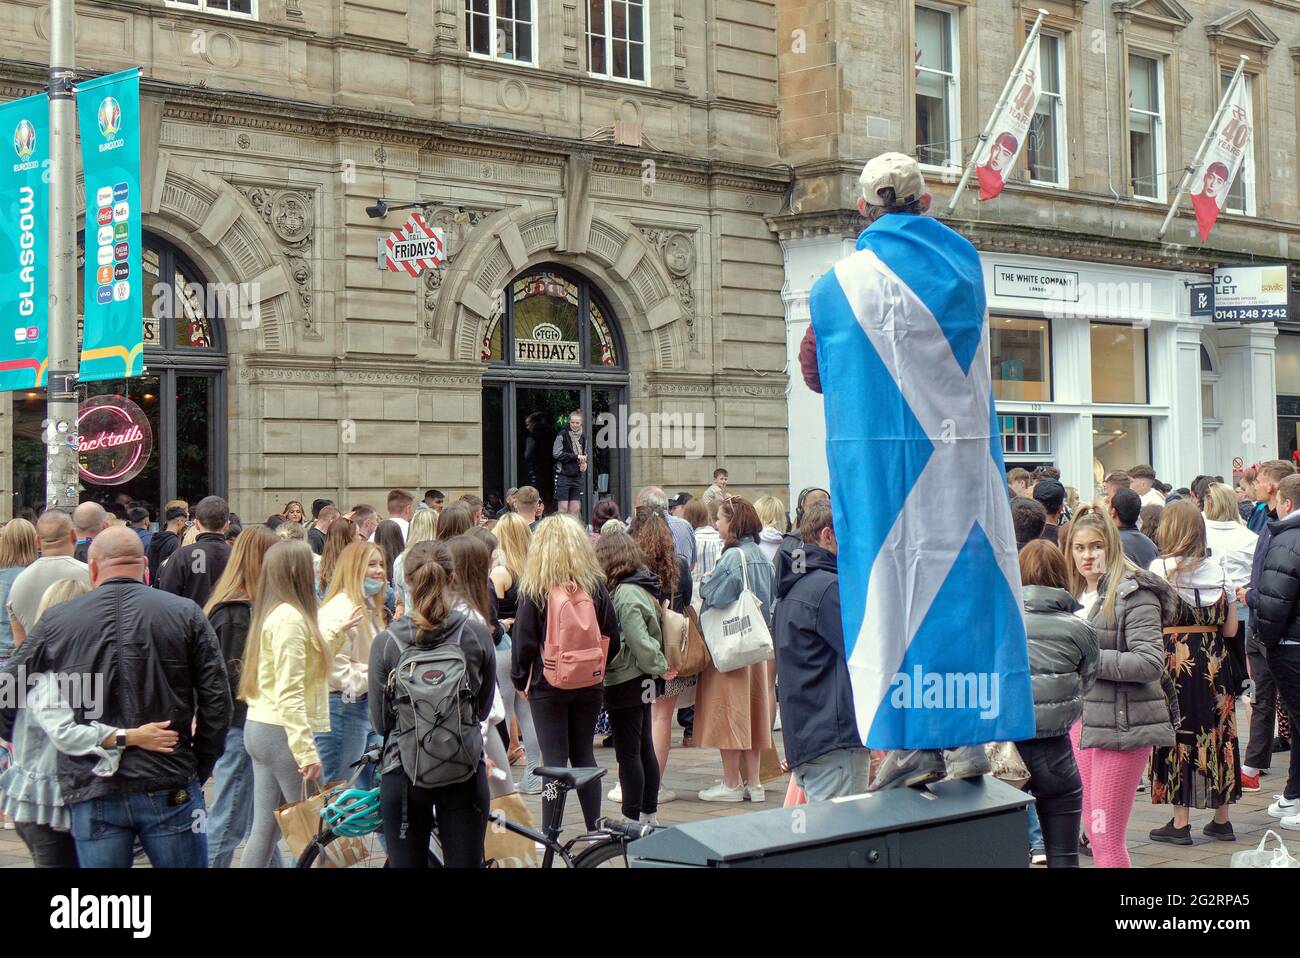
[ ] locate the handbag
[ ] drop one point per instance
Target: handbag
(504, 848)
(1006, 763)
(300, 822)
(737, 635)
(684, 648)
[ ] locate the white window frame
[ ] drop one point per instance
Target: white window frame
(496, 29)
(1063, 164)
(956, 157)
(609, 41)
(1247, 171)
(201, 6)
(1157, 127)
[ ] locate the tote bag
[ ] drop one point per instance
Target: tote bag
(737, 635)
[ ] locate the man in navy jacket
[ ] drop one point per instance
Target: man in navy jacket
(818, 722)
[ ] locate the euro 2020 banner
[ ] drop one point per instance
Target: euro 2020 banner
(25, 243)
(108, 115)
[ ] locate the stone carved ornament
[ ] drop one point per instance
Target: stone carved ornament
(678, 254)
(291, 216)
(456, 224)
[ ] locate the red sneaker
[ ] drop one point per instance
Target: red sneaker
(1249, 783)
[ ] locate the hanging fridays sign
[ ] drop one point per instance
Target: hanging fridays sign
(24, 243)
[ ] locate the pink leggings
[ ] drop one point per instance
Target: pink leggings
(1110, 781)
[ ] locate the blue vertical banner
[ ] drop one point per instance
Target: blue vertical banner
(25, 242)
(108, 117)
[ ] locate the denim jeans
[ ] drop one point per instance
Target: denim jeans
(345, 742)
(843, 771)
(169, 824)
(231, 817)
(1035, 829)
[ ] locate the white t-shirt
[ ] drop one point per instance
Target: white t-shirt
(1152, 497)
(1087, 600)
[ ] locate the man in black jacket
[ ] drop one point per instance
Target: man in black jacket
(818, 721)
(1275, 610)
(176, 516)
(195, 568)
(145, 656)
(1125, 506)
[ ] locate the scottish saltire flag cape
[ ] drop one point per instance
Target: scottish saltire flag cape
(929, 581)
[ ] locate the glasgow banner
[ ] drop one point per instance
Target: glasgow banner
(933, 631)
(25, 242)
(108, 116)
(997, 155)
(1223, 158)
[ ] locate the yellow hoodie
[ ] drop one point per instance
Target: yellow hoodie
(291, 681)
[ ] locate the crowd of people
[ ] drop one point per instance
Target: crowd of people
(270, 657)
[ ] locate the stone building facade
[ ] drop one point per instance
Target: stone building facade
(636, 203)
(1124, 373)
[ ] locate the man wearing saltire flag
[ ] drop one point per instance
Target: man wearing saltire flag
(929, 582)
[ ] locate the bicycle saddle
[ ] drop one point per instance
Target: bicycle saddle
(572, 777)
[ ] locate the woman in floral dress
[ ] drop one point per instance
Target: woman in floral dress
(1201, 770)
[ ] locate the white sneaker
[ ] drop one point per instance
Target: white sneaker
(723, 793)
(666, 795)
(1284, 807)
(652, 820)
(616, 793)
(1291, 822)
(755, 793)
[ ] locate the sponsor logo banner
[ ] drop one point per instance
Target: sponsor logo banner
(108, 116)
(24, 242)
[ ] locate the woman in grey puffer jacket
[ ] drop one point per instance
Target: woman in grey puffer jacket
(1063, 662)
(1125, 713)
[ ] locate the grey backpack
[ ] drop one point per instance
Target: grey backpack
(438, 734)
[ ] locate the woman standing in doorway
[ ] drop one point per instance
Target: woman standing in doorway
(570, 454)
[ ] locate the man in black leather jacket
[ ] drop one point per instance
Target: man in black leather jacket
(1275, 613)
(137, 655)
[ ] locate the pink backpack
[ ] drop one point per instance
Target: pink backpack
(573, 656)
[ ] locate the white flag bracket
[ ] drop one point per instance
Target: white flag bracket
(997, 109)
(1190, 171)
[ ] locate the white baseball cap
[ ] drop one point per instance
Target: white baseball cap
(895, 171)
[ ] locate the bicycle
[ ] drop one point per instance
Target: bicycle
(359, 819)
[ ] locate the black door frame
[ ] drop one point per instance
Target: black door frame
(510, 384)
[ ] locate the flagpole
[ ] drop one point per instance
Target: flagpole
(60, 433)
(1190, 171)
(997, 109)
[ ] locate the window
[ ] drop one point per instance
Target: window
(1046, 146)
(1119, 364)
(616, 31)
(1021, 359)
(1117, 444)
(938, 130)
(1286, 364)
(1146, 127)
(1241, 198)
(233, 8)
(500, 29)
(1026, 435)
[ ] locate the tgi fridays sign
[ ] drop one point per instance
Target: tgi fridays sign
(413, 247)
(114, 440)
(546, 345)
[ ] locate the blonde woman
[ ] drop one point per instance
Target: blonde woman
(559, 556)
(1125, 713)
(1201, 769)
(230, 610)
(1231, 544)
(771, 512)
(18, 550)
(423, 526)
(44, 728)
(359, 580)
(513, 536)
(341, 534)
(284, 681)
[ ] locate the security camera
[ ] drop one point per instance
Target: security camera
(378, 211)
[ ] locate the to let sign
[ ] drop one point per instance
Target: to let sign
(1250, 294)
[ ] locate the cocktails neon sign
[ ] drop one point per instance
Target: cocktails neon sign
(114, 440)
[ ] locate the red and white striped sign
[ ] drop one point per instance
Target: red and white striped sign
(414, 247)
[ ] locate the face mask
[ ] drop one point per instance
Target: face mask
(373, 586)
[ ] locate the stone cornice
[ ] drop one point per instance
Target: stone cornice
(679, 383)
(273, 368)
(794, 226)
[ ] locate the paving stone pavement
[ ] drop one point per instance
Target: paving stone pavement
(690, 770)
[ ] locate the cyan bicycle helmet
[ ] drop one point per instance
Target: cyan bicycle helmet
(355, 812)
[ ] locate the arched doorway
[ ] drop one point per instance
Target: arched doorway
(552, 345)
(182, 393)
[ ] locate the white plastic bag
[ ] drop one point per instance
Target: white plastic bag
(1262, 857)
